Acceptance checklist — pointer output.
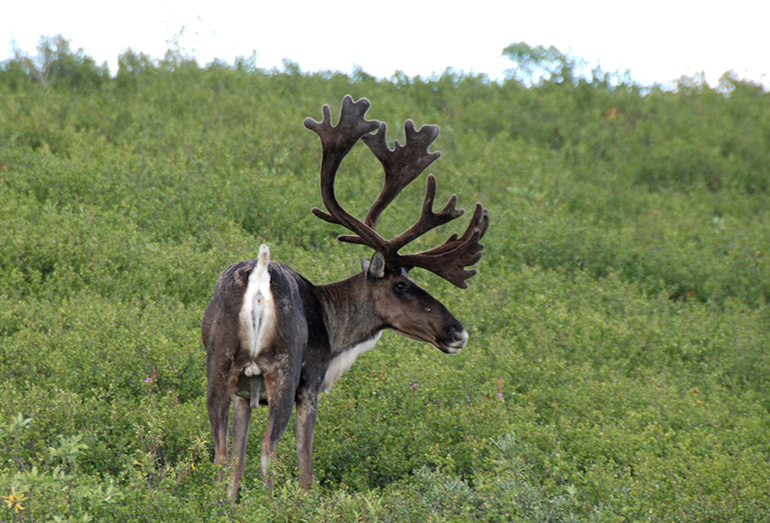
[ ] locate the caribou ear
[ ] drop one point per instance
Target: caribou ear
(376, 269)
(364, 264)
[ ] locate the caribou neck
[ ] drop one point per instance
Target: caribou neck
(348, 312)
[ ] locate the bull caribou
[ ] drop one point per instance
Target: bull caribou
(273, 337)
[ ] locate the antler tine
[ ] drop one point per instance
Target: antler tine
(402, 165)
(450, 259)
(351, 126)
(337, 141)
(428, 219)
(479, 221)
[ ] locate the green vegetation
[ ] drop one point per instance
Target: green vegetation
(619, 361)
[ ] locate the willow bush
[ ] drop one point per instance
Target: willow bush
(617, 368)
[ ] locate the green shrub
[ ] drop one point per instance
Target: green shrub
(618, 325)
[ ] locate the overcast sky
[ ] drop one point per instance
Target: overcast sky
(656, 40)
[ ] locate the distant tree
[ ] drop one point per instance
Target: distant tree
(58, 63)
(131, 65)
(535, 65)
(55, 64)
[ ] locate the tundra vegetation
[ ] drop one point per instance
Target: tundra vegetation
(618, 366)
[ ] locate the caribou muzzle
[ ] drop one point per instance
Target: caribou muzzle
(455, 339)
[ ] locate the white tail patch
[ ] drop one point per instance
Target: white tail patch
(343, 361)
(257, 316)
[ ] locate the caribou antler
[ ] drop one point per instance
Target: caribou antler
(337, 143)
(402, 166)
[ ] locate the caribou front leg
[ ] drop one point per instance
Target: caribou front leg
(307, 410)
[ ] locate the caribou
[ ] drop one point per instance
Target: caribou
(274, 338)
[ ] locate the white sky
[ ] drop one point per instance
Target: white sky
(657, 40)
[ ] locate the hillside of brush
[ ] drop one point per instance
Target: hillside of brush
(618, 367)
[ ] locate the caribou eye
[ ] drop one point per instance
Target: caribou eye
(400, 287)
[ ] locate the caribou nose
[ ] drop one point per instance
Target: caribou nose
(457, 337)
(461, 338)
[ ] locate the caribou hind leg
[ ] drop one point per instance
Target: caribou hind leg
(218, 402)
(281, 386)
(241, 420)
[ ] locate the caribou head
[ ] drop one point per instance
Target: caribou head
(272, 336)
